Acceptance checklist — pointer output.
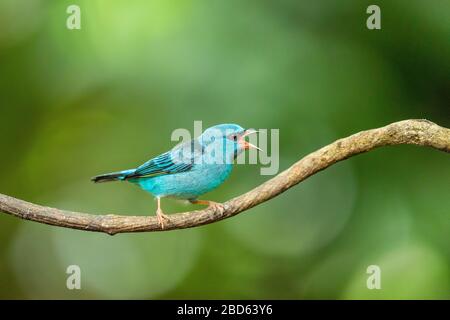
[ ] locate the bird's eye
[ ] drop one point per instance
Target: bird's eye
(235, 137)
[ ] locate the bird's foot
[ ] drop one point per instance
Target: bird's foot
(218, 207)
(161, 217)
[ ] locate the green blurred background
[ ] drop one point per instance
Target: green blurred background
(76, 103)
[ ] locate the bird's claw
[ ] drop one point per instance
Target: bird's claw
(219, 207)
(216, 206)
(161, 217)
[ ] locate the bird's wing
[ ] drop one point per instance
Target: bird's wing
(181, 158)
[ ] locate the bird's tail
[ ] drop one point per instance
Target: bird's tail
(114, 176)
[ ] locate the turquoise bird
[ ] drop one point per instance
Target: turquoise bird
(190, 169)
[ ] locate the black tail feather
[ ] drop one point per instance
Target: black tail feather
(114, 176)
(106, 177)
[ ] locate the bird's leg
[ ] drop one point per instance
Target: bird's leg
(211, 204)
(160, 214)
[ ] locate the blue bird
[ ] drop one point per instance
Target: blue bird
(190, 169)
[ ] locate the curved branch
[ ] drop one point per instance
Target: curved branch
(417, 132)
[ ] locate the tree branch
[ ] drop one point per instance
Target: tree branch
(417, 132)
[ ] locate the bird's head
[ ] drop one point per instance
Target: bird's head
(227, 140)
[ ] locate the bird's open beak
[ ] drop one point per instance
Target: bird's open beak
(245, 144)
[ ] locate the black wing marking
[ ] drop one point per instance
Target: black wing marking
(181, 158)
